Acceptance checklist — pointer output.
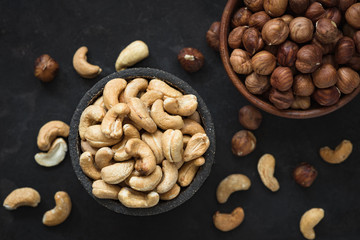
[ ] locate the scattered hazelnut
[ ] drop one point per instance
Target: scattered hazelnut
(275, 8)
(240, 61)
(241, 17)
(287, 18)
(254, 5)
(213, 36)
(356, 38)
(258, 20)
(354, 62)
(191, 59)
(301, 103)
(348, 30)
(345, 4)
(281, 78)
(325, 48)
(304, 174)
(298, 6)
(325, 76)
(281, 100)
(275, 31)
(243, 143)
(252, 40)
(315, 11)
(257, 84)
(286, 55)
(330, 59)
(329, 3)
(327, 31)
(327, 96)
(235, 36)
(348, 80)
(352, 15)
(308, 58)
(334, 15)
(250, 117)
(303, 85)
(301, 30)
(263, 63)
(46, 68)
(344, 50)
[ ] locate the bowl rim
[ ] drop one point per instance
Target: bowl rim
(266, 106)
(163, 206)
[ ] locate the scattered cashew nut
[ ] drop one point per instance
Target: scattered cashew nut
(101, 189)
(145, 158)
(172, 145)
(183, 106)
(54, 156)
(112, 91)
(140, 115)
(49, 132)
(103, 157)
(111, 125)
(191, 127)
(145, 183)
(97, 139)
(22, 197)
(188, 171)
(162, 119)
(266, 169)
(61, 211)
(150, 97)
(309, 220)
(91, 115)
(226, 222)
(134, 87)
(86, 162)
(132, 54)
(170, 176)
(153, 140)
(171, 194)
(117, 172)
(82, 67)
(134, 199)
(340, 154)
(196, 147)
(163, 87)
(230, 184)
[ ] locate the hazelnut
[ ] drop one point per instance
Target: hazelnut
(301, 103)
(330, 59)
(315, 11)
(348, 30)
(301, 30)
(354, 62)
(345, 4)
(298, 6)
(213, 36)
(304, 174)
(263, 63)
(240, 61)
(281, 100)
(327, 31)
(356, 38)
(344, 50)
(327, 96)
(303, 85)
(275, 31)
(273, 49)
(348, 80)
(329, 3)
(287, 18)
(46, 68)
(325, 76)
(352, 15)
(250, 117)
(257, 84)
(252, 40)
(286, 54)
(308, 58)
(275, 8)
(254, 5)
(325, 48)
(334, 15)
(258, 20)
(281, 78)
(243, 143)
(241, 17)
(235, 36)
(191, 59)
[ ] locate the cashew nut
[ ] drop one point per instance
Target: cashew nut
(150, 97)
(134, 87)
(230, 184)
(266, 169)
(196, 147)
(145, 183)
(117, 172)
(129, 132)
(153, 140)
(61, 211)
(340, 154)
(101, 189)
(186, 139)
(49, 132)
(112, 91)
(191, 127)
(103, 157)
(163, 87)
(91, 115)
(171, 194)
(86, 147)
(100, 102)
(196, 117)
(188, 171)
(170, 176)
(82, 67)
(172, 145)
(132, 54)
(127, 120)
(22, 197)
(140, 115)
(111, 125)
(183, 106)
(309, 220)
(133, 199)
(145, 159)
(97, 139)
(226, 222)
(54, 156)
(87, 165)
(162, 119)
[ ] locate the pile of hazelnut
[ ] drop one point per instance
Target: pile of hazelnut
(292, 51)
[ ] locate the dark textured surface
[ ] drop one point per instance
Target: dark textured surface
(31, 28)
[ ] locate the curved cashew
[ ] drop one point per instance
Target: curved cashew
(171, 194)
(183, 106)
(196, 117)
(134, 87)
(101, 189)
(188, 171)
(186, 139)
(61, 211)
(82, 67)
(196, 147)
(162, 119)
(100, 102)
(191, 127)
(178, 165)
(117, 172)
(133, 199)
(133, 53)
(140, 115)
(170, 176)
(103, 157)
(111, 125)
(97, 139)
(87, 165)
(112, 91)
(91, 115)
(129, 132)
(54, 156)
(309, 220)
(150, 97)
(266, 169)
(22, 197)
(49, 131)
(154, 142)
(86, 147)
(340, 154)
(145, 159)
(163, 87)
(227, 222)
(127, 120)
(145, 183)
(230, 184)
(172, 145)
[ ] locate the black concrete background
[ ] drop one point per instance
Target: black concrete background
(31, 28)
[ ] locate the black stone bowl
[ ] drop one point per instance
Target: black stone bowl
(187, 192)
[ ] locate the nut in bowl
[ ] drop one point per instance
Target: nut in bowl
(141, 141)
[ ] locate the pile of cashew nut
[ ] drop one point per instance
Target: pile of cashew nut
(142, 141)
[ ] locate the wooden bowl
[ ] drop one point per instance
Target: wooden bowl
(238, 80)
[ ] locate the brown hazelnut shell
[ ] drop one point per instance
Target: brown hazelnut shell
(344, 50)
(257, 84)
(263, 63)
(254, 5)
(281, 100)
(213, 36)
(327, 96)
(243, 143)
(325, 76)
(240, 61)
(315, 11)
(334, 15)
(241, 17)
(281, 78)
(348, 80)
(352, 15)
(305, 174)
(235, 37)
(287, 18)
(275, 31)
(354, 62)
(191, 59)
(330, 59)
(356, 39)
(308, 58)
(252, 40)
(286, 54)
(301, 103)
(303, 85)
(301, 30)
(45, 68)
(345, 4)
(258, 20)
(275, 8)
(327, 31)
(298, 6)
(250, 117)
